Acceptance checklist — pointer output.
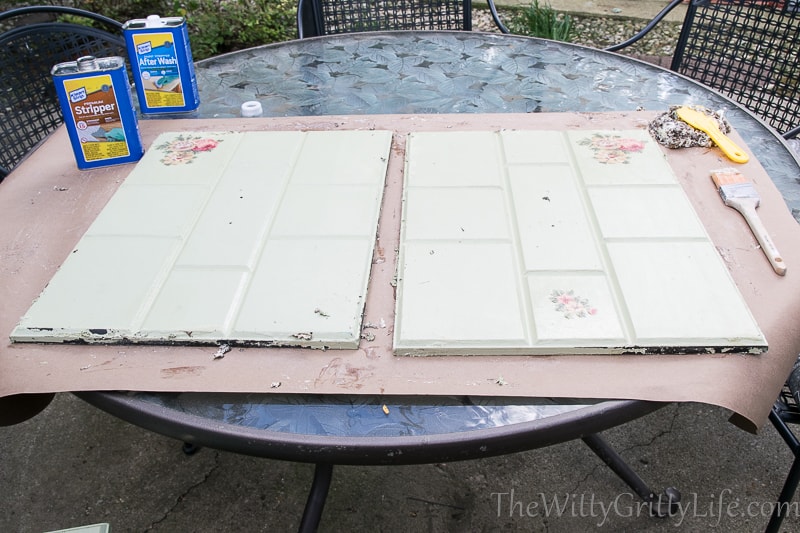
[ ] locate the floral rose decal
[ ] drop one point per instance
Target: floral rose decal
(612, 149)
(184, 148)
(571, 305)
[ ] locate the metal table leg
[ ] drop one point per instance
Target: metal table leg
(316, 498)
(662, 505)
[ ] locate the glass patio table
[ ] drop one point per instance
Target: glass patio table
(422, 73)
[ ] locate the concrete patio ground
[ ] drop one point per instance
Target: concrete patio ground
(74, 465)
(639, 9)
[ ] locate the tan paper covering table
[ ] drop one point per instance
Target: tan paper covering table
(49, 204)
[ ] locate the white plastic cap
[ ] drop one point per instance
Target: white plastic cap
(252, 109)
(153, 21)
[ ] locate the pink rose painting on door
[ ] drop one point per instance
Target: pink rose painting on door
(185, 148)
(612, 149)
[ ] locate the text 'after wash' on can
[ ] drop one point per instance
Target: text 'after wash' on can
(97, 105)
(161, 60)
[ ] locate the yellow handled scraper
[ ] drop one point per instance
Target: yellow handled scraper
(709, 126)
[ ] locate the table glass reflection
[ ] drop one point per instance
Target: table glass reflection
(463, 72)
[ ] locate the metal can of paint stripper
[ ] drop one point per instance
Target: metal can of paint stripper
(162, 65)
(97, 105)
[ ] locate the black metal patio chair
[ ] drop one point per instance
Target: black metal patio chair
(32, 42)
(748, 50)
(326, 17)
(787, 411)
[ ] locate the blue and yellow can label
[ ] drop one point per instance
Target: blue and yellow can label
(160, 72)
(98, 112)
(161, 60)
(95, 112)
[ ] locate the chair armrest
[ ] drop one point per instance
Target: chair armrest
(793, 140)
(305, 20)
(793, 381)
(650, 25)
(63, 10)
(496, 17)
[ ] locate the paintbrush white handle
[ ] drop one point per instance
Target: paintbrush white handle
(747, 207)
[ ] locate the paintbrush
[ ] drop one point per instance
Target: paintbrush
(737, 192)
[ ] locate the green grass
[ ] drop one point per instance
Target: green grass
(540, 20)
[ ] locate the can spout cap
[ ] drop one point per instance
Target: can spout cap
(153, 21)
(87, 63)
(252, 109)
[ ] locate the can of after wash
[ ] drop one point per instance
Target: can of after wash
(97, 105)
(161, 60)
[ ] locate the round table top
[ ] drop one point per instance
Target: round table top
(463, 72)
(422, 73)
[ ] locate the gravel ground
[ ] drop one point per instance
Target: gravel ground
(600, 32)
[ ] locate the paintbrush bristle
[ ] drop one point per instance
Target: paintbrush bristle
(732, 184)
(727, 176)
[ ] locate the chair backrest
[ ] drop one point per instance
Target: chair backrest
(748, 50)
(326, 17)
(29, 108)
